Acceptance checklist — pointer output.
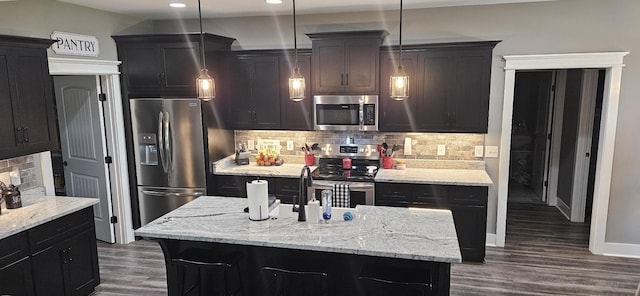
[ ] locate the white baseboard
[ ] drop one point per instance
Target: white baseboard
(563, 208)
(491, 240)
(621, 250)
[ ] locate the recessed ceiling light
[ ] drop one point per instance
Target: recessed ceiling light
(177, 5)
(274, 1)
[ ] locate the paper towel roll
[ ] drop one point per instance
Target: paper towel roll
(258, 195)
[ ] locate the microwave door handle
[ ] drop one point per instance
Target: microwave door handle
(160, 138)
(361, 115)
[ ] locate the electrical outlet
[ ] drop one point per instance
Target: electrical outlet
(289, 145)
(491, 151)
(250, 145)
(441, 150)
(15, 177)
(479, 152)
(407, 146)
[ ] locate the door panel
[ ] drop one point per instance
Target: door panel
(540, 140)
(361, 67)
(82, 143)
(148, 142)
(467, 107)
(16, 278)
(8, 122)
(181, 65)
(48, 273)
(432, 109)
(569, 135)
(240, 98)
(266, 92)
(399, 115)
(296, 115)
(83, 277)
(141, 66)
(328, 59)
(185, 151)
(157, 201)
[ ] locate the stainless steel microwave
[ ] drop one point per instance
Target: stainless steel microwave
(346, 113)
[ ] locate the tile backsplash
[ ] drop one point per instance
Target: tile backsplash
(27, 167)
(424, 145)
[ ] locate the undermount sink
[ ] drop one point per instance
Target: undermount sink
(284, 211)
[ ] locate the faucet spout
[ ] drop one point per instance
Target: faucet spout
(302, 192)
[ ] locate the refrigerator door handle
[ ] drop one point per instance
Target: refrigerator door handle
(168, 139)
(161, 141)
(173, 194)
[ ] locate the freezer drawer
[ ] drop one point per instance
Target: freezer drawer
(157, 201)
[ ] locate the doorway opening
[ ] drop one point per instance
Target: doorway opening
(554, 147)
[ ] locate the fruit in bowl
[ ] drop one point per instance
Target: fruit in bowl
(268, 156)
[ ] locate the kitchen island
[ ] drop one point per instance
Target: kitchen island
(414, 240)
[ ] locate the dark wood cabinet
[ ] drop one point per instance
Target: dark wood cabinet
(468, 204)
(26, 95)
(254, 82)
(285, 189)
(62, 252)
(347, 62)
(167, 64)
(295, 115)
(450, 91)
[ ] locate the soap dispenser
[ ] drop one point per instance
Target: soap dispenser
(314, 209)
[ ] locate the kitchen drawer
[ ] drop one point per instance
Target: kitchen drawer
(468, 195)
(58, 229)
(13, 247)
(429, 194)
(287, 189)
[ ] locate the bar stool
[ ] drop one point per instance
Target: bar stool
(203, 273)
(386, 280)
(283, 282)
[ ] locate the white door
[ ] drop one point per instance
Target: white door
(81, 125)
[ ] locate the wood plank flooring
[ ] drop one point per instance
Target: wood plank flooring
(544, 255)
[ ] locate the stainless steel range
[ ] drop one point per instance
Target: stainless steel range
(355, 165)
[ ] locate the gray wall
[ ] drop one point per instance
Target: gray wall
(39, 18)
(533, 28)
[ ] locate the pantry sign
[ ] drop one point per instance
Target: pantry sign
(75, 44)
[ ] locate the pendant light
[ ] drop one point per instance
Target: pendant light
(205, 83)
(399, 82)
(296, 81)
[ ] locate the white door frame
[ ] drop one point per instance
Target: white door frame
(612, 62)
(114, 122)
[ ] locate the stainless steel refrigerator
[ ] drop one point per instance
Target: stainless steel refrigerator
(169, 154)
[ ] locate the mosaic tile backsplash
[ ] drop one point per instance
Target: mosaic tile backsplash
(26, 165)
(424, 145)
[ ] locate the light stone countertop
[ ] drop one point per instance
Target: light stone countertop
(460, 177)
(416, 234)
(37, 210)
(286, 170)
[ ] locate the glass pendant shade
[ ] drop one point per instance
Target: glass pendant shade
(399, 85)
(296, 85)
(206, 86)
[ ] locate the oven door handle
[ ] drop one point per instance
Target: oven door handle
(353, 186)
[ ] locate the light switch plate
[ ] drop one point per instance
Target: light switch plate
(250, 145)
(491, 151)
(289, 145)
(15, 177)
(441, 150)
(407, 146)
(479, 152)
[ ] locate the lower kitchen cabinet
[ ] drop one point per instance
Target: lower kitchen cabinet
(59, 257)
(468, 204)
(285, 189)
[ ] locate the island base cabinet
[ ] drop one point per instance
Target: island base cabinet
(15, 278)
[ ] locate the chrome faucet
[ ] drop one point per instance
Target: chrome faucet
(302, 193)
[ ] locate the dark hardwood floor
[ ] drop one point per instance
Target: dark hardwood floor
(544, 255)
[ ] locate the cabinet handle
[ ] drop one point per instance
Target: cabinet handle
(25, 134)
(69, 256)
(347, 79)
(341, 79)
(19, 135)
(160, 79)
(64, 256)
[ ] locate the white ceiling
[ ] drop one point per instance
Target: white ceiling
(159, 9)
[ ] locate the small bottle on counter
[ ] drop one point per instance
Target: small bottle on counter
(326, 204)
(314, 209)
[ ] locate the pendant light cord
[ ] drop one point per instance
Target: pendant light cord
(400, 62)
(295, 35)
(201, 35)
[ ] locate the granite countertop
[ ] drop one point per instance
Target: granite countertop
(463, 177)
(287, 170)
(37, 210)
(417, 234)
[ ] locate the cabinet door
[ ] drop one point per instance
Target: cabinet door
(469, 103)
(328, 67)
(287, 190)
(240, 94)
(49, 274)
(295, 115)
(8, 120)
(16, 279)
(362, 66)
(181, 67)
(82, 265)
(471, 227)
(394, 195)
(395, 115)
(231, 186)
(432, 113)
(265, 92)
(35, 97)
(142, 71)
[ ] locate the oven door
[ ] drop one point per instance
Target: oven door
(361, 193)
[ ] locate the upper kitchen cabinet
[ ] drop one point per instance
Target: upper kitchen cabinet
(295, 115)
(450, 91)
(346, 62)
(254, 90)
(167, 64)
(28, 124)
